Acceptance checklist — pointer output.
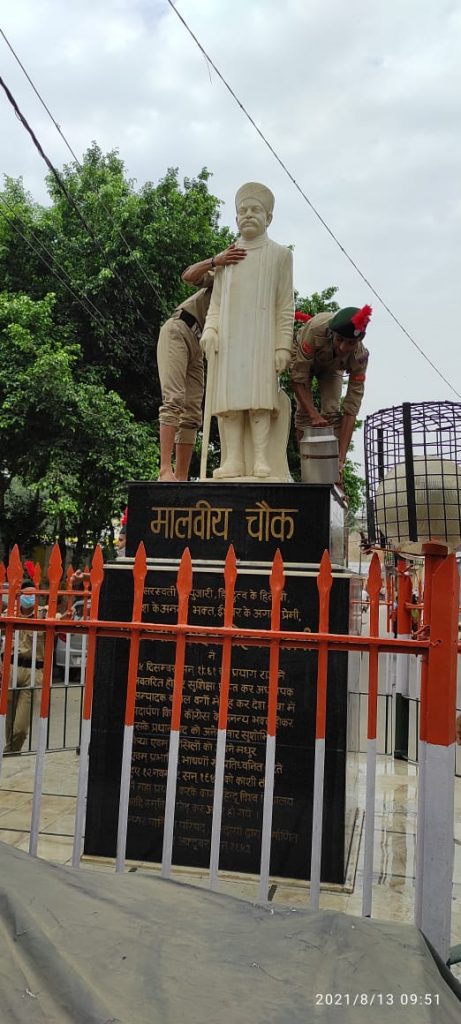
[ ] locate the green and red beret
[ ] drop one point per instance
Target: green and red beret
(351, 322)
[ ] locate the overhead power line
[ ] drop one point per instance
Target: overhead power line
(309, 202)
(125, 241)
(70, 199)
(81, 297)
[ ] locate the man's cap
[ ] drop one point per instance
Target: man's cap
(351, 322)
(254, 190)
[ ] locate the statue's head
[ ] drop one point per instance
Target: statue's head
(254, 204)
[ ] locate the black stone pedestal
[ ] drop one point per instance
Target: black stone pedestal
(301, 521)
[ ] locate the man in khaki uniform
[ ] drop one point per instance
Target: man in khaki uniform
(19, 700)
(180, 367)
(327, 347)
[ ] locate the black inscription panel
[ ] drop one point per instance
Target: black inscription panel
(246, 730)
(300, 519)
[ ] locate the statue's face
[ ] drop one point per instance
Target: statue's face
(252, 218)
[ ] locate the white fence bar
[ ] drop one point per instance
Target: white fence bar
(81, 792)
(38, 786)
(370, 801)
(217, 807)
(170, 802)
(125, 782)
(438, 850)
(317, 822)
(267, 820)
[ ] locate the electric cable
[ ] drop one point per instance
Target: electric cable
(94, 312)
(63, 188)
(125, 241)
(310, 203)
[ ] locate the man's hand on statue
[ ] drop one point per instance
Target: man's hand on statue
(209, 342)
(229, 256)
(282, 359)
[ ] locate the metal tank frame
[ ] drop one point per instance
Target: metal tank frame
(401, 434)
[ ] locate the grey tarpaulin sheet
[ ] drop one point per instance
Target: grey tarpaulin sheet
(98, 948)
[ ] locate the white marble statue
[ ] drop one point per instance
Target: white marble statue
(247, 340)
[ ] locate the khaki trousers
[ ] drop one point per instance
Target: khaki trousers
(330, 387)
(180, 368)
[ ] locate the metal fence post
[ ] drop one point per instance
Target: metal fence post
(402, 669)
(435, 837)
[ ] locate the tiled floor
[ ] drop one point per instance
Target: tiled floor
(394, 850)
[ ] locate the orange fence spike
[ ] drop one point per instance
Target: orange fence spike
(2, 574)
(374, 576)
(324, 578)
(324, 585)
(139, 576)
(37, 574)
(96, 576)
(97, 567)
(374, 587)
(14, 571)
(230, 577)
(54, 579)
(184, 587)
(55, 567)
(230, 566)
(277, 577)
(184, 584)
(277, 583)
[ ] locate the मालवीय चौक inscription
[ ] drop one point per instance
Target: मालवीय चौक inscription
(204, 522)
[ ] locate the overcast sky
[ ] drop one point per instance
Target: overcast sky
(361, 100)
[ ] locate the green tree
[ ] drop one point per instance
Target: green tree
(68, 446)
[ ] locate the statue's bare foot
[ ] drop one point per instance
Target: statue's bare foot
(229, 469)
(261, 468)
(166, 474)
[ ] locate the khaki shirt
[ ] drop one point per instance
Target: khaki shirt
(25, 646)
(315, 357)
(25, 643)
(197, 304)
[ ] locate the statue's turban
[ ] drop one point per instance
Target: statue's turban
(254, 190)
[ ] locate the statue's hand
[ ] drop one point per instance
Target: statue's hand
(282, 359)
(209, 342)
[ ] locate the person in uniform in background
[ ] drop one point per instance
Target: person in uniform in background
(180, 367)
(328, 346)
(29, 672)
